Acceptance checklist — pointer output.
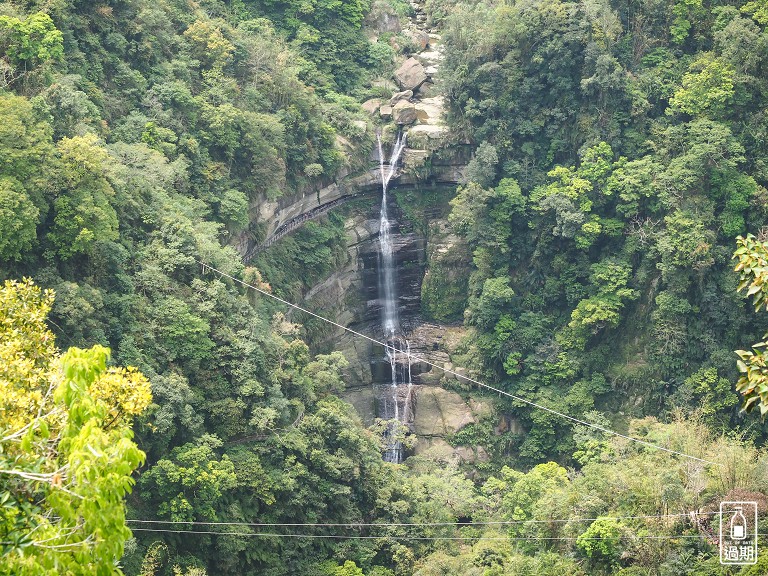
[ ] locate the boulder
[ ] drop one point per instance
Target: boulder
(430, 110)
(383, 21)
(410, 75)
(435, 449)
(386, 112)
(440, 412)
(397, 96)
(418, 37)
(427, 90)
(372, 105)
(404, 112)
(431, 57)
(423, 139)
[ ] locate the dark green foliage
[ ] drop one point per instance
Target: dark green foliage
(138, 138)
(299, 260)
(630, 133)
(619, 148)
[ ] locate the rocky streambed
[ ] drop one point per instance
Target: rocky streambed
(416, 104)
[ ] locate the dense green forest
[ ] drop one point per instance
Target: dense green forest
(618, 150)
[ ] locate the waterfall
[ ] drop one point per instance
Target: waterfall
(398, 349)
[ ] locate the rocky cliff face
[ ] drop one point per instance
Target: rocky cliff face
(350, 295)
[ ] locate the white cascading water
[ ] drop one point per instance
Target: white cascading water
(390, 321)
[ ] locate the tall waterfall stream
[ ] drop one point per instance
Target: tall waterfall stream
(395, 402)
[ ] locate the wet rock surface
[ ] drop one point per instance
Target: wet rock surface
(351, 296)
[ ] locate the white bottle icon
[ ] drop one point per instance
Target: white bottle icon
(738, 525)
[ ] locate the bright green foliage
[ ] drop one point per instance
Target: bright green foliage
(30, 41)
(494, 299)
(752, 255)
(519, 495)
(27, 350)
(600, 542)
(159, 138)
(573, 193)
(84, 214)
(349, 568)
(712, 394)
(686, 13)
(686, 243)
(758, 9)
(66, 459)
(209, 44)
(633, 182)
(100, 457)
(609, 283)
(27, 151)
(753, 364)
(181, 334)
(191, 481)
(568, 183)
(738, 190)
(757, 569)
(707, 88)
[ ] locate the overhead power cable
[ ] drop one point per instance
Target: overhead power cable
(412, 524)
(207, 267)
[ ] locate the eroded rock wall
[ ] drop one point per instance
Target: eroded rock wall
(350, 295)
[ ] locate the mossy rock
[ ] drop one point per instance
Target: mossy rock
(444, 292)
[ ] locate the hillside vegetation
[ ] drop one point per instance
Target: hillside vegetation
(619, 149)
